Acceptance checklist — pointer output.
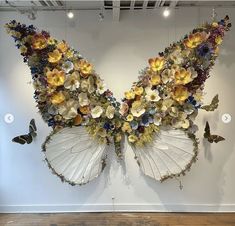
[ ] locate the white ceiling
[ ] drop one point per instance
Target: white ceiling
(116, 5)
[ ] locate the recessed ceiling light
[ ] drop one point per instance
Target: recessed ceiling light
(70, 14)
(166, 12)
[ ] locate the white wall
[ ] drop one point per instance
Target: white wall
(119, 51)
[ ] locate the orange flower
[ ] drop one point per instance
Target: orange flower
(62, 46)
(57, 98)
(78, 120)
(84, 110)
(180, 93)
(55, 56)
(39, 42)
(84, 67)
(194, 40)
(156, 64)
(182, 76)
(55, 77)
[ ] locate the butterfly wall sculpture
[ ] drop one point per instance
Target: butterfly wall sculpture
(156, 115)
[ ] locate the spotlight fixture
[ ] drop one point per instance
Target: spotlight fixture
(166, 12)
(70, 14)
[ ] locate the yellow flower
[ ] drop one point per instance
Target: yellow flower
(137, 108)
(118, 137)
(57, 118)
(57, 98)
(155, 80)
(182, 76)
(126, 127)
(23, 49)
(215, 24)
(218, 40)
(194, 40)
(55, 77)
(129, 95)
(55, 56)
(180, 93)
(62, 46)
(51, 41)
(84, 110)
(69, 53)
(15, 34)
(85, 67)
(78, 120)
(102, 132)
(132, 138)
(39, 42)
(138, 90)
(129, 117)
(156, 64)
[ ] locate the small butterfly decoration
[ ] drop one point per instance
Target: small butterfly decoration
(213, 105)
(211, 138)
(156, 115)
(27, 138)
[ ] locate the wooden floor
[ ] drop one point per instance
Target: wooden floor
(118, 219)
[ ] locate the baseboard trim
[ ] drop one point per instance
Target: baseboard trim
(117, 208)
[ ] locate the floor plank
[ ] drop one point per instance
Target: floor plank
(119, 219)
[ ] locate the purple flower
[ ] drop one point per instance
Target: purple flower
(205, 50)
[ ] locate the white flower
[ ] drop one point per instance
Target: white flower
(137, 108)
(91, 84)
(72, 82)
(177, 57)
(83, 99)
(173, 112)
(167, 76)
(96, 112)
(181, 121)
(101, 87)
(84, 85)
(69, 109)
(157, 120)
(193, 72)
(67, 66)
(152, 95)
(110, 112)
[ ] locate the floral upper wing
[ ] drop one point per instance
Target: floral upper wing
(167, 98)
(68, 93)
(67, 90)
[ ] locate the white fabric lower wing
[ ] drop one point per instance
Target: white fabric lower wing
(170, 154)
(74, 155)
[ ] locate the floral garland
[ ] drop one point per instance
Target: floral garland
(169, 92)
